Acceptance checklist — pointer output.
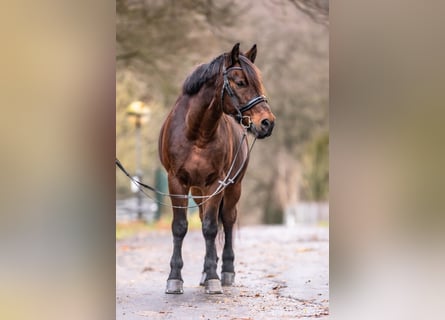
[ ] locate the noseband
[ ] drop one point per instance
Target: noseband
(240, 109)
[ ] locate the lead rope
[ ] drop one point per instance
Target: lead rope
(223, 184)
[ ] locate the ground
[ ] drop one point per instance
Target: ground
(281, 273)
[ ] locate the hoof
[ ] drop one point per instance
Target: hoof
(174, 286)
(203, 279)
(227, 278)
(213, 286)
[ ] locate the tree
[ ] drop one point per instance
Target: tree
(157, 43)
(318, 10)
(315, 161)
(160, 42)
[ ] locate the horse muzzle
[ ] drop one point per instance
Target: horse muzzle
(263, 129)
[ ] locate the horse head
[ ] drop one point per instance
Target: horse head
(243, 95)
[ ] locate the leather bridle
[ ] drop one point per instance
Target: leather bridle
(235, 101)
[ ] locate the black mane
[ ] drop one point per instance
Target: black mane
(202, 74)
(208, 71)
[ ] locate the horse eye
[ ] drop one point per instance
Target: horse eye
(240, 83)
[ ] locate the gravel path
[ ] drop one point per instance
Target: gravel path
(281, 273)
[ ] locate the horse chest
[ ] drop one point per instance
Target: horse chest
(202, 167)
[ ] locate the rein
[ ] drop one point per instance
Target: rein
(223, 184)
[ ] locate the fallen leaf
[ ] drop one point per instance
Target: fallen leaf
(300, 250)
(277, 287)
(147, 269)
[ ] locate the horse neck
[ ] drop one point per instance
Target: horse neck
(204, 115)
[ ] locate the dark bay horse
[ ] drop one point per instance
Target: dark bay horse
(202, 147)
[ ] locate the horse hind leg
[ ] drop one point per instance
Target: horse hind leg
(179, 230)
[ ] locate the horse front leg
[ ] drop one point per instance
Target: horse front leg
(210, 230)
(179, 230)
(228, 256)
(228, 216)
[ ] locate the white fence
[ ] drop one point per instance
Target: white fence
(306, 213)
(126, 210)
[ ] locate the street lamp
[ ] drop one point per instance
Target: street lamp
(138, 113)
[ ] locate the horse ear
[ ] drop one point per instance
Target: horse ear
(235, 54)
(251, 54)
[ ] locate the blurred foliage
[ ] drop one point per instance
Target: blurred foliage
(318, 10)
(159, 42)
(315, 161)
(129, 229)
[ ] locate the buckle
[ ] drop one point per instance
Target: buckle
(249, 121)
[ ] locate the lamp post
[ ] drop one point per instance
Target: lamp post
(137, 113)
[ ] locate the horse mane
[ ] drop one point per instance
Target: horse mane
(202, 74)
(208, 71)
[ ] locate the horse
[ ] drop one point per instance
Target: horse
(202, 147)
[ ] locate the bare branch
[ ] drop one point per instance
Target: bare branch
(317, 10)
(128, 55)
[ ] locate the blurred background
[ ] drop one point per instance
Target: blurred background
(159, 43)
(58, 144)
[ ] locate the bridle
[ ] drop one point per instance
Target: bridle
(235, 101)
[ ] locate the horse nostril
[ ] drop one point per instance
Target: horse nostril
(265, 123)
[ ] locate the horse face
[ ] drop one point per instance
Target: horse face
(260, 117)
(244, 81)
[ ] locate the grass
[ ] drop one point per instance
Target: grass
(129, 229)
(324, 223)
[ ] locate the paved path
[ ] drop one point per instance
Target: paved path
(281, 273)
